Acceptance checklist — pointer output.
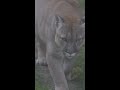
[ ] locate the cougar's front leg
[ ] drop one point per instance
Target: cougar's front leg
(68, 66)
(56, 69)
(41, 54)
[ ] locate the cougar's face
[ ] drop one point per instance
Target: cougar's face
(70, 38)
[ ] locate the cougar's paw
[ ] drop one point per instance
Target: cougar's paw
(41, 61)
(71, 77)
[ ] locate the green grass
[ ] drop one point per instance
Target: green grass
(82, 3)
(39, 86)
(79, 70)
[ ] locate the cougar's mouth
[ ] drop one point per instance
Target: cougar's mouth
(69, 55)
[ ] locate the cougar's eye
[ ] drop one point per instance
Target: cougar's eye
(64, 39)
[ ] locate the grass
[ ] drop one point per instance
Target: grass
(82, 3)
(39, 86)
(79, 70)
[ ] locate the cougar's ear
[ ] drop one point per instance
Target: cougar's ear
(58, 20)
(82, 21)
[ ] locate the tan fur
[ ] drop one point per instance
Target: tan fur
(69, 10)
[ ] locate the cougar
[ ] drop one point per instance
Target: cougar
(59, 35)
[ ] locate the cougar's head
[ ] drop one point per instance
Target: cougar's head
(70, 35)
